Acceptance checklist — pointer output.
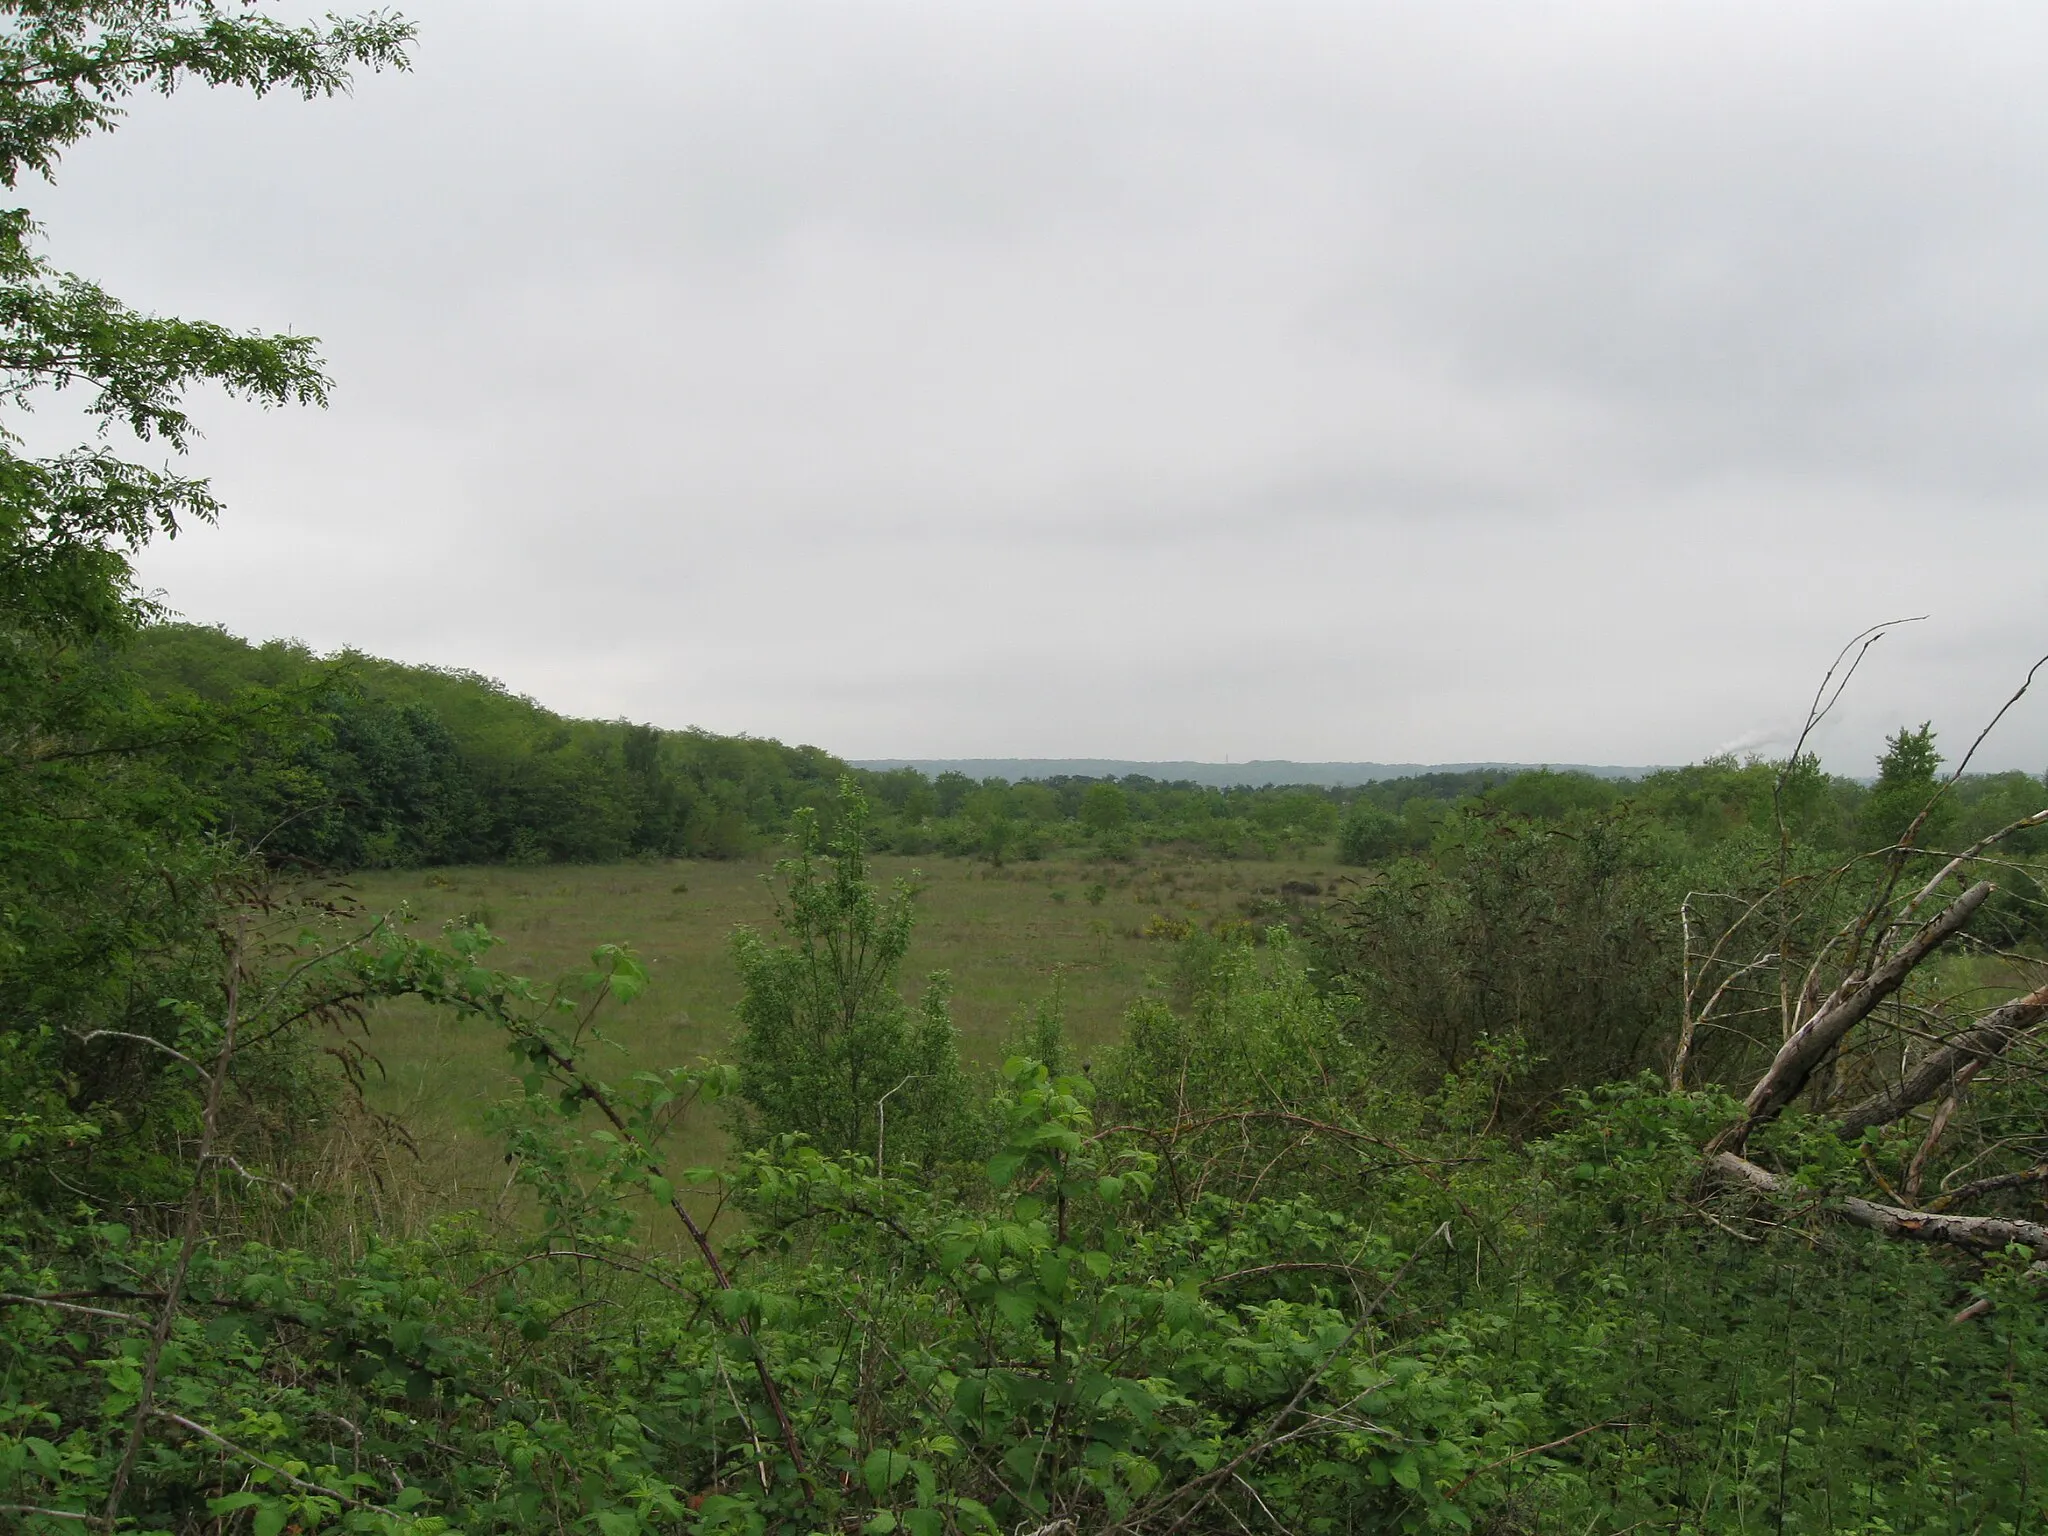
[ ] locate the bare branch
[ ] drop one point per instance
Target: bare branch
(1970, 1191)
(91, 1035)
(1955, 864)
(1811, 1043)
(8, 1299)
(1693, 1022)
(1916, 1171)
(1989, 1038)
(1979, 1234)
(347, 1501)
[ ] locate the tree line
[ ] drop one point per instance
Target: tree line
(367, 763)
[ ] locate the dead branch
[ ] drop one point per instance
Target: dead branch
(7, 1299)
(151, 1041)
(1916, 1171)
(347, 1501)
(1949, 1198)
(1978, 1234)
(1986, 1040)
(1967, 856)
(1693, 1022)
(1984, 1305)
(1812, 1042)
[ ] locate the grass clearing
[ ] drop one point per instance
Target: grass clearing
(1007, 936)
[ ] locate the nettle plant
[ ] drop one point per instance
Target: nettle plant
(868, 1351)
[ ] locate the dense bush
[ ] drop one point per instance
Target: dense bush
(1272, 1286)
(1554, 936)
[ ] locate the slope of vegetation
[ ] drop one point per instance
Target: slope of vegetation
(1665, 1156)
(370, 764)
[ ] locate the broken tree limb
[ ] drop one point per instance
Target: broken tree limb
(1956, 864)
(1810, 1044)
(1990, 1037)
(1916, 1171)
(1978, 1234)
(1984, 1305)
(1950, 1198)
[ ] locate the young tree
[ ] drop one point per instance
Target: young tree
(103, 886)
(1906, 785)
(1105, 809)
(951, 790)
(1370, 834)
(827, 1045)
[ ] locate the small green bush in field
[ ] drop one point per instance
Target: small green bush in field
(827, 1046)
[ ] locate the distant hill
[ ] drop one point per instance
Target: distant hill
(1219, 775)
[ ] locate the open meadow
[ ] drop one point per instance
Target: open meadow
(1006, 937)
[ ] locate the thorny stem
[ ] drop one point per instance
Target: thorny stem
(596, 1094)
(189, 1241)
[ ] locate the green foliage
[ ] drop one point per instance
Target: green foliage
(1906, 786)
(1554, 796)
(1704, 804)
(1413, 1326)
(827, 1047)
(1556, 937)
(392, 765)
(111, 897)
(1245, 1024)
(1105, 808)
(1370, 834)
(1377, 1232)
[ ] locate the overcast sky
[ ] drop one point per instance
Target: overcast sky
(1404, 382)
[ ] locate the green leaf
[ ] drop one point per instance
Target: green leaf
(1020, 1307)
(663, 1190)
(269, 1519)
(883, 1469)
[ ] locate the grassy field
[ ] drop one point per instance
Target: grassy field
(1007, 937)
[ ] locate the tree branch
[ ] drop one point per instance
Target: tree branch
(1811, 1043)
(1990, 1037)
(1978, 1234)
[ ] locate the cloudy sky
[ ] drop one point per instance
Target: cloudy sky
(1407, 382)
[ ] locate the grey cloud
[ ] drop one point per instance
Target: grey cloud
(1366, 382)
